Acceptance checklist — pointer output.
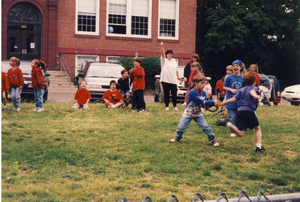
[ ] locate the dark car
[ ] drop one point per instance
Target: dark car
(27, 91)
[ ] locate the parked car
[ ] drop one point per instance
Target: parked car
(181, 89)
(98, 75)
(27, 91)
(292, 94)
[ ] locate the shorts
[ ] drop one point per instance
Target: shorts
(246, 119)
(124, 92)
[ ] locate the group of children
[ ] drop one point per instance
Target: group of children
(14, 83)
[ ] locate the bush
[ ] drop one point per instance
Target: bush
(151, 66)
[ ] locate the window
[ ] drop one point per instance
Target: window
(112, 59)
(82, 60)
(168, 19)
(87, 17)
(129, 18)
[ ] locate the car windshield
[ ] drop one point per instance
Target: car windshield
(25, 66)
(103, 71)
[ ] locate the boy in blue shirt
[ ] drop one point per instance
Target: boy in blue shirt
(194, 111)
(246, 117)
(232, 84)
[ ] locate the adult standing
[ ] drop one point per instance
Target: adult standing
(169, 76)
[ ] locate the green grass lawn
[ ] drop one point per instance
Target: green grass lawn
(103, 154)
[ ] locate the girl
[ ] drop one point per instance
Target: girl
(16, 82)
(168, 76)
(38, 83)
(196, 69)
(254, 68)
(4, 89)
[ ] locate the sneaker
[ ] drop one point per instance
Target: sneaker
(4, 108)
(222, 121)
(167, 108)
(35, 109)
(142, 111)
(260, 150)
(175, 139)
(18, 109)
(232, 135)
(184, 103)
(220, 112)
(40, 110)
(214, 142)
(175, 108)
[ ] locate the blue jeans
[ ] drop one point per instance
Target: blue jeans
(15, 93)
(184, 123)
(38, 97)
(232, 115)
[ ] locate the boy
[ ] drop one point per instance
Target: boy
(82, 96)
(246, 117)
(112, 97)
(4, 89)
(123, 85)
(232, 83)
(194, 111)
(137, 75)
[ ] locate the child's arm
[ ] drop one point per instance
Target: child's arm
(193, 95)
(231, 100)
(254, 94)
(21, 79)
(230, 89)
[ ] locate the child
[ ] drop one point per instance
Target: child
(16, 82)
(220, 84)
(82, 96)
(196, 70)
(113, 98)
(254, 68)
(246, 117)
(232, 83)
(4, 89)
(137, 74)
(194, 111)
(38, 83)
(123, 85)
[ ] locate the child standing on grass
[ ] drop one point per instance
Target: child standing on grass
(137, 75)
(196, 70)
(4, 89)
(246, 117)
(194, 111)
(82, 96)
(16, 82)
(232, 84)
(112, 97)
(123, 85)
(38, 83)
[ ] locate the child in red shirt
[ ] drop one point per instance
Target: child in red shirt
(16, 82)
(137, 75)
(82, 96)
(4, 89)
(113, 98)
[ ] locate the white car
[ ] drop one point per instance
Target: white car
(292, 94)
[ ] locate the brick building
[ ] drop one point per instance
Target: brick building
(104, 30)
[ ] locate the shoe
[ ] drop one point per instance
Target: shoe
(222, 121)
(184, 103)
(4, 108)
(260, 150)
(175, 108)
(40, 110)
(220, 112)
(175, 139)
(142, 111)
(18, 109)
(35, 109)
(214, 142)
(232, 135)
(167, 108)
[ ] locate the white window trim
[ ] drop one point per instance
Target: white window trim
(97, 20)
(128, 19)
(80, 55)
(112, 56)
(176, 24)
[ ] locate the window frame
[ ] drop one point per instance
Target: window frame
(83, 55)
(176, 23)
(112, 56)
(128, 22)
(96, 24)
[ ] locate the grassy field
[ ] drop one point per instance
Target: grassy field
(104, 154)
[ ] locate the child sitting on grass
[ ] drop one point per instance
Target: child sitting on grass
(82, 96)
(123, 85)
(246, 117)
(112, 97)
(194, 111)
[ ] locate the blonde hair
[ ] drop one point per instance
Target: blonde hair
(16, 60)
(197, 64)
(254, 67)
(229, 67)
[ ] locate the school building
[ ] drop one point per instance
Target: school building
(76, 31)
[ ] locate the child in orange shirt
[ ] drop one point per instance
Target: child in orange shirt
(4, 89)
(112, 97)
(82, 96)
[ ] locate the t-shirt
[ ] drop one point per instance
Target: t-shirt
(138, 78)
(246, 101)
(168, 71)
(195, 104)
(123, 84)
(82, 95)
(112, 96)
(234, 82)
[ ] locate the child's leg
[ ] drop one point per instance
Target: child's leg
(258, 134)
(4, 98)
(18, 97)
(140, 99)
(118, 104)
(36, 98)
(127, 97)
(182, 126)
(232, 117)
(133, 100)
(205, 127)
(235, 130)
(40, 93)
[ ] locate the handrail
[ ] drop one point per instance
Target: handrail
(64, 65)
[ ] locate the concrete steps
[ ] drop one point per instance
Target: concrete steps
(59, 83)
